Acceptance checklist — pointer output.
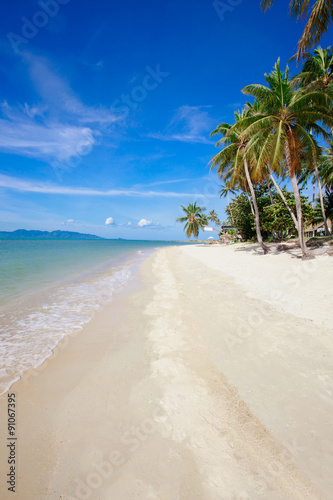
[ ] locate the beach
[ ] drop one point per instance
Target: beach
(207, 377)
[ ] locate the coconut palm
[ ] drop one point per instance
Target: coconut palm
(194, 219)
(317, 74)
(213, 217)
(281, 129)
(321, 16)
(233, 158)
(227, 188)
(329, 202)
(326, 164)
(314, 175)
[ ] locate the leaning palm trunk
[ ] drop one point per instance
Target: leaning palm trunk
(232, 217)
(297, 201)
(259, 237)
(251, 206)
(277, 187)
(270, 192)
(321, 200)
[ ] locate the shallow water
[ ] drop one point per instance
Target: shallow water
(49, 289)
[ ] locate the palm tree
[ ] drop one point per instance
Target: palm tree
(329, 202)
(227, 188)
(213, 217)
(326, 164)
(320, 18)
(194, 219)
(317, 69)
(233, 158)
(317, 74)
(281, 129)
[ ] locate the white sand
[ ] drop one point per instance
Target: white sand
(202, 384)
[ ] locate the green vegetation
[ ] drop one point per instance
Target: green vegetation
(275, 219)
(194, 219)
(320, 17)
(283, 135)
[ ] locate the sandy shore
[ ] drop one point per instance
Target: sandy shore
(212, 378)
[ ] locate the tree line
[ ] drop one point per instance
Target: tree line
(283, 134)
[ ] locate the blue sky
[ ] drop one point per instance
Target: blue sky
(106, 107)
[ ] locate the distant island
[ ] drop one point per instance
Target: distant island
(23, 234)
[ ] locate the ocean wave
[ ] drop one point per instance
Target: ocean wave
(33, 327)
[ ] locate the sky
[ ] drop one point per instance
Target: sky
(106, 107)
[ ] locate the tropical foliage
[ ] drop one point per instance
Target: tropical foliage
(320, 16)
(283, 135)
(275, 219)
(234, 162)
(279, 136)
(195, 219)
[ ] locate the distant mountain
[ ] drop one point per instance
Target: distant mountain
(23, 234)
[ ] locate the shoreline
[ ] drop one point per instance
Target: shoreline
(189, 384)
(62, 302)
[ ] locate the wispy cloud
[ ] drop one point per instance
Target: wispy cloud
(58, 128)
(171, 181)
(59, 97)
(20, 133)
(21, 185)
(189, 124)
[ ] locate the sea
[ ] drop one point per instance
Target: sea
(51, 288)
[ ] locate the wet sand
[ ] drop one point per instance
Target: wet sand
(210, 378)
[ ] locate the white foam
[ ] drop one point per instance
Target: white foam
(32, 327)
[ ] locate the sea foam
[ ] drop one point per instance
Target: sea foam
(32, 326)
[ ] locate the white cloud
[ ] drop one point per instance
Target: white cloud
(59, 97)
(144, 222)
(68, 222)
(109, 221)
(22, 185)
(129, 223)
(20, 134)
(58, 129)
(189, 124)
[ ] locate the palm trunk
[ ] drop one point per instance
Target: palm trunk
(270, 192)
(321, 201)
(259, 237)
(297, 201)
(251, 206)
(313, 195)
(232, 217)
(292, 215)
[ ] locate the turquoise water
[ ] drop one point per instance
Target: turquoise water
(51, 288)
(29, 264)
